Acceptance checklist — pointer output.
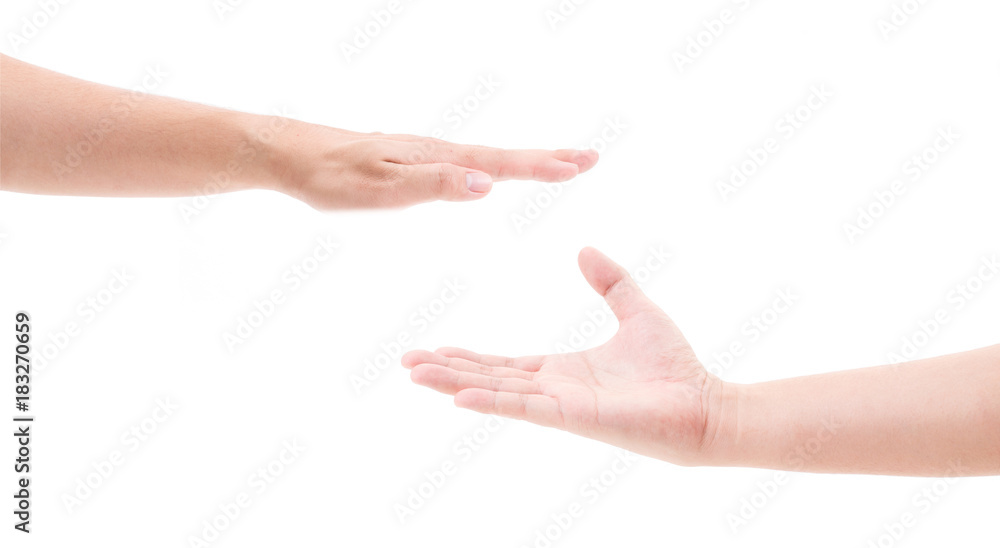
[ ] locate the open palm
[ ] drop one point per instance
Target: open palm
(643, 390)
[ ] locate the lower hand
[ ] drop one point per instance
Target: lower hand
(644, 390)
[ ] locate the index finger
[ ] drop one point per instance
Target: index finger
(500, 164)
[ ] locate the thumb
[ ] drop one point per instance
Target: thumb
(615, 284)
(444, 182)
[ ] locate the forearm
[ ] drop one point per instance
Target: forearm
(61, 135)
(934, 417)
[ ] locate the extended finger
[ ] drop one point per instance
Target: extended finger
(583, 158)
(503, 164)
(500, 164)
(524, 363)
(425, 182)
(416, 357)
(536, 408)
(451, 381)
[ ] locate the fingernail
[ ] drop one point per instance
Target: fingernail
(478, 182)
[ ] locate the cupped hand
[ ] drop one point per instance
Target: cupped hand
(336, 169)
(643, 390)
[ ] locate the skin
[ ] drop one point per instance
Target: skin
(645, 391)
(64, 136)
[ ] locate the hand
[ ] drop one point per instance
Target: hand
(337, 169)
(644, 390)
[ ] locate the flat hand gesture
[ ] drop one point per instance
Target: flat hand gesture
(337, 169)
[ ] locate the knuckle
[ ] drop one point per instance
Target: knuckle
(361, 148)
(381, 186)
(417, 153)
(481, 156)
(522, 403)
(396, 173)
(448, 183)
(427, 148)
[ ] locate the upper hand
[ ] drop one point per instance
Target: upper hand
(336, 169)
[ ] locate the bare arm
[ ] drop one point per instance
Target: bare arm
(933, 417)
(62, 135)
(646, 391)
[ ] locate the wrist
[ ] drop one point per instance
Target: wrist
(724, 403)
(267, 147)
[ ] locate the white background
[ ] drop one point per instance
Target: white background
(656, 185)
